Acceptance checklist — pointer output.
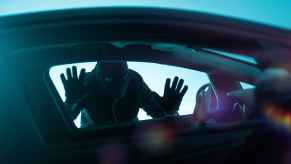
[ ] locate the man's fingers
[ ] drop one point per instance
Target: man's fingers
(180, 84)
(69, 74)
(175, 81)
(167, 85)
(75, 74)
(82, 74)
(63, 78)
(184, 90)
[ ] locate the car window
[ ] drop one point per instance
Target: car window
(154, 76)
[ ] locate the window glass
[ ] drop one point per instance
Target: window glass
(245, 85)
(154, 76)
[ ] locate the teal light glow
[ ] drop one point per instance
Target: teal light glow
(271, 12)
(244, 58)
(245, 85)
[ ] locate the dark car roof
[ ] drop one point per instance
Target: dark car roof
(144, 24)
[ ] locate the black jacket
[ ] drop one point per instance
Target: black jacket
(99, 110)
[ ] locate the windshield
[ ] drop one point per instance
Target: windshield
(270, 12)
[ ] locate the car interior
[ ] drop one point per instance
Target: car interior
(220, 84)
(213, 128)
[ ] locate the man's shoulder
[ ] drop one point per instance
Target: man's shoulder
(90, 76)
(136, 81)
(133, 75)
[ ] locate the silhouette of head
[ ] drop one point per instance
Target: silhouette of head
(114, 76)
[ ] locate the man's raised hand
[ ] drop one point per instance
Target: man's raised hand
(173, 94)
(73, 84)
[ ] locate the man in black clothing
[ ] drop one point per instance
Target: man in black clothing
(112, 93)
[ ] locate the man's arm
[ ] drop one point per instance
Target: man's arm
(168, 105)
(74, 108)
(151, 102)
